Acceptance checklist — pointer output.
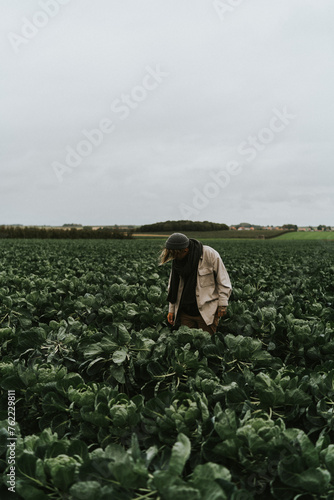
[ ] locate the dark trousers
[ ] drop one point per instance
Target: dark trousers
(198, 322)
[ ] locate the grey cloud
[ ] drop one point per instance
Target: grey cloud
(224, 79)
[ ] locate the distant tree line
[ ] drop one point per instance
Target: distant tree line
(181, 225)
(51, 233)
(72, 225)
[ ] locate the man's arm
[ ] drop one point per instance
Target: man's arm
(222, 280)
(221, 311)
(171, 307)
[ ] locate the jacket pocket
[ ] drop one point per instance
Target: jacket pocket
(206, 277)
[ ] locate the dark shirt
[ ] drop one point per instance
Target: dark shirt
(192, 308)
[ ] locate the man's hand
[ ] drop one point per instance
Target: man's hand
(170, 318)
(221, 311)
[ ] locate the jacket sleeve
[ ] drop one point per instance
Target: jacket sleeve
(171, 307)
(222, 280)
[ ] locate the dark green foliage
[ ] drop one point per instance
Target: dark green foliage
(182, 225)
(55, 233)
(113, 404)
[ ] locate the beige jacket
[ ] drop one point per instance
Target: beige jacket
(213, 286)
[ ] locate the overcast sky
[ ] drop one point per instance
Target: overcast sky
(139, 111)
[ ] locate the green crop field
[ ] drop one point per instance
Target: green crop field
(101, 400)
(308, 235)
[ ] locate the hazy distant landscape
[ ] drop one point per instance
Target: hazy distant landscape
(193, 229)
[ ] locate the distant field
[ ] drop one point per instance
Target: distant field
(309, 235)
(256, 234)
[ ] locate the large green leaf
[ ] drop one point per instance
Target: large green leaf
(119, 356)
(62, 470)
(86, 490)
(29, 492)
(312, 480)
(26, 465)
(180, 454)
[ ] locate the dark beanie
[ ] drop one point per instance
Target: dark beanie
(177, 241)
